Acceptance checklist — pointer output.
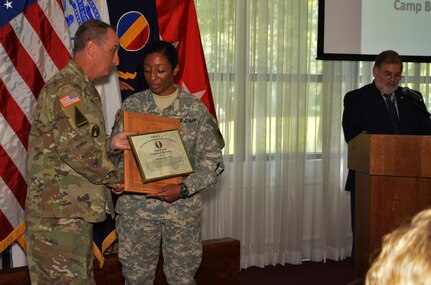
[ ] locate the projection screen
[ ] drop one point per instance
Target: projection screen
(361, 29)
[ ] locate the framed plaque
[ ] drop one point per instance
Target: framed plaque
(160, 155)
(145, 123)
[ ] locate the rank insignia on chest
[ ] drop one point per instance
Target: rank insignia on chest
(95, 131)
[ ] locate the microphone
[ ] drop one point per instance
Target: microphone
(412, 94)
(416, 99)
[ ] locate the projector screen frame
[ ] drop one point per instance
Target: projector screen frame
(323, 55)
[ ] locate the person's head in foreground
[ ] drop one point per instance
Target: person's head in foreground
(405, 258)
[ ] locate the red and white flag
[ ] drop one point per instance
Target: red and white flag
(34, 45)
(178, 24)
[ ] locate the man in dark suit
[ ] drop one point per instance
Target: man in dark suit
(368, 109)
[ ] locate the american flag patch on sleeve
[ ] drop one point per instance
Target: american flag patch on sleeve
(69, 100)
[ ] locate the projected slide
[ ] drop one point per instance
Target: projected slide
(353, 29)
(393, 24)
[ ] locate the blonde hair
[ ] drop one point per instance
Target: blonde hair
(405, 257)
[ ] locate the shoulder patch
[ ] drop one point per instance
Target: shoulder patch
(69, 100)
(80, 119)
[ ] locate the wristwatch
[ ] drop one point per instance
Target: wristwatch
(184, 190)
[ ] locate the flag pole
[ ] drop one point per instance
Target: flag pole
(5, 258)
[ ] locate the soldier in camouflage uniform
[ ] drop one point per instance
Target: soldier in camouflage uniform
(68, 166)
(171, 217)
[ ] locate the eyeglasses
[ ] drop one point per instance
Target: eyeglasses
(389, 75)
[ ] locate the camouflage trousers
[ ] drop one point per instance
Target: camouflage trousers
(139, 242)
(59, 251)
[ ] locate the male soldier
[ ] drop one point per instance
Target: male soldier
(68, 168)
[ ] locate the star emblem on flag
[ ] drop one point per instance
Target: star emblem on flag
(198, 94)
(175, 44)
(8, 4)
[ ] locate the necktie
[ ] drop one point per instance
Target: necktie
(393, 113)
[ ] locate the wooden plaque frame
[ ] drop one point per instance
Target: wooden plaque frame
(145, 123)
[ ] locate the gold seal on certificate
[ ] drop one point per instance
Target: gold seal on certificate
(160, 155)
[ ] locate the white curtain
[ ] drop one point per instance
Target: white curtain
(280, 111)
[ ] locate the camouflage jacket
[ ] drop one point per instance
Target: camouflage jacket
(68, 167)
(199, 132)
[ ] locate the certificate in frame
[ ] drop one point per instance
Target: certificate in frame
(160, 155)
(144, 123)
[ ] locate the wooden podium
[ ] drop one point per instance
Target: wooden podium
(393, 182)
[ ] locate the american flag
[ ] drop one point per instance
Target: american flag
(69, 100)
(34, 45)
